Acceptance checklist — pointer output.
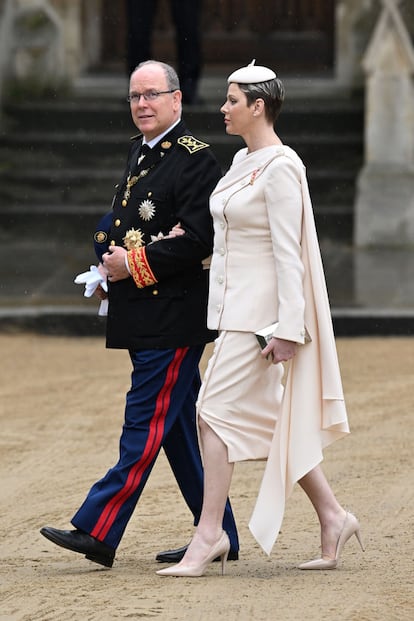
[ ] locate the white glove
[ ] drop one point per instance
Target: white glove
(103, 308)
(91, 280)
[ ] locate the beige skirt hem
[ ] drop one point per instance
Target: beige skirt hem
(240, 396)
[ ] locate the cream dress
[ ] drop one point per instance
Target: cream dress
(266, 267)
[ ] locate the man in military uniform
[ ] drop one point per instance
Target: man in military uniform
(157, 290)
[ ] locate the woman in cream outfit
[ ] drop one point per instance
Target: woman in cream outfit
(266, 268)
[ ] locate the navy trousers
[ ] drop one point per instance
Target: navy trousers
(159, 412)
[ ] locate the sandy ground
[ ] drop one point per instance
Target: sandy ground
(61, 406)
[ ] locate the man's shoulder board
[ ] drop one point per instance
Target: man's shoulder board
(192, 144)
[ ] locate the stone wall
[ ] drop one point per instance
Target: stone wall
(46, 44)
(355, 23)
(384, 209)
(69, 39)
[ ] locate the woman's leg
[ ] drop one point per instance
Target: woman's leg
(330, 513)
(218, 473)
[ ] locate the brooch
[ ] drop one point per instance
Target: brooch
(146, 210)
(253, 177)
(133, 239)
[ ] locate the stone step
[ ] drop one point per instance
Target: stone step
(61, 159)
(73, 320)
(74, 224)
(299, 115)
(97, 185)
(63, 149)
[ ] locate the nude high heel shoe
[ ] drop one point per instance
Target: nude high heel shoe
(221, 548)
(350, 527)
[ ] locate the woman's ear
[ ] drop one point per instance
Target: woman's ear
(258, 107)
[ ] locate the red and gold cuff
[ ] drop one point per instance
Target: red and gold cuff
(140, 269)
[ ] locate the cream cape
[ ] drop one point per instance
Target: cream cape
(313, 410)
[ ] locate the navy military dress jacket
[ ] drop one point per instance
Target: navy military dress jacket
(172, 184)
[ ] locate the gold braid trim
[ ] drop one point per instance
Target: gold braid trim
(140, 269)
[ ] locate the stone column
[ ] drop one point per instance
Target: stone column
(354, 23)
(384, 210)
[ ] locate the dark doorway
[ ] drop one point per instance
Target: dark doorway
(294, 36)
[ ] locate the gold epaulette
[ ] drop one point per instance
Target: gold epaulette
(192, 144)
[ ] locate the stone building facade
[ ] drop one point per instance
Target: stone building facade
(50, 42)
(357, 45)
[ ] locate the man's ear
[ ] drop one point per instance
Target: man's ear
(178, 96)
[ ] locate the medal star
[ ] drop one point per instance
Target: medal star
(133, 239)
(146, 210)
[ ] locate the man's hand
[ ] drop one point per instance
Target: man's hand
(114, 261)
(280, 350)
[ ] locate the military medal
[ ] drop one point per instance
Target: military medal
(127, 194)
(146, 210)
(131, 181)
(133, 239)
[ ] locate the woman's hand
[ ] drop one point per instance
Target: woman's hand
(279, 350)
(176, 231)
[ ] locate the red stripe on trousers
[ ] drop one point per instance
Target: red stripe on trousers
(156, 431)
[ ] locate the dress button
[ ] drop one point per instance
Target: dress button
(222, 252)
(218, 308)
(117, 222)
(112, 243)
(222, 225)
(220, 280)
(155, 292)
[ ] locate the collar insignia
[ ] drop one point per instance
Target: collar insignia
(192, 144)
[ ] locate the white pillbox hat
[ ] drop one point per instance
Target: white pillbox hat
(251, 74)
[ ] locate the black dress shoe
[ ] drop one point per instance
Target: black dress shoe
(175, 556)
(78, 541)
